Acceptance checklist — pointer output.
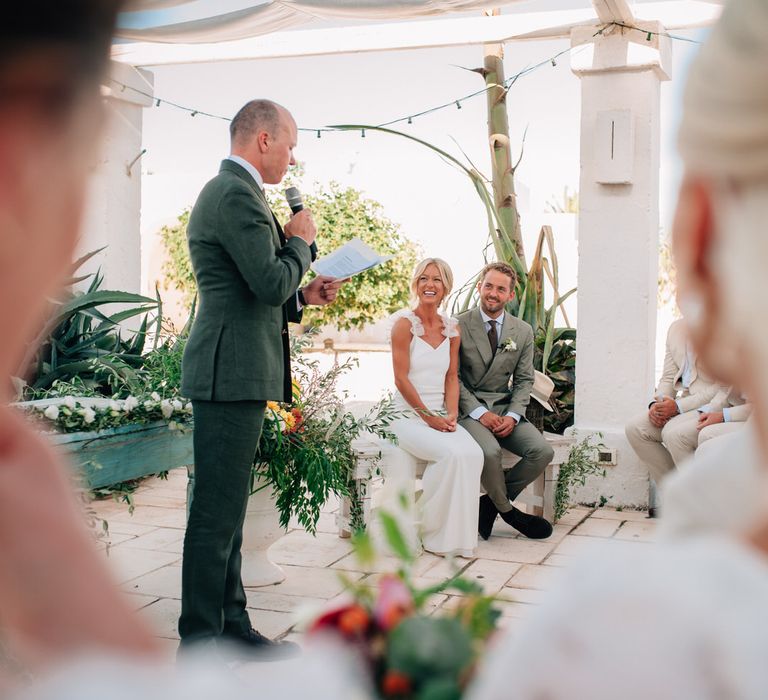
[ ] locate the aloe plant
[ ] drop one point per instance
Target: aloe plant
(555, 347)
(80, 340)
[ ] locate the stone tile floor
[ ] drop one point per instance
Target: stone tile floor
(145, 550)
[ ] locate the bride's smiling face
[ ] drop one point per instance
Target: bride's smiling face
(430, 287)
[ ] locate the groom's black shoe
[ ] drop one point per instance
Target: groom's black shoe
(488, 513)
(532, 526)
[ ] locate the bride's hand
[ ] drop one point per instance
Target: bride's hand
(438, 423)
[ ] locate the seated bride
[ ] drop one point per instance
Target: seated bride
(425, 356)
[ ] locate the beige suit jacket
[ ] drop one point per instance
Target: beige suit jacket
(730, 398)
(701, 390)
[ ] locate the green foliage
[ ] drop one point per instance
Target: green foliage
(177, 267)
(305, 453)
(341, 214)
(82, 343)
(581, 463)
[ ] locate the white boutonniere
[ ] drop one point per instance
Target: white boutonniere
(508, 345)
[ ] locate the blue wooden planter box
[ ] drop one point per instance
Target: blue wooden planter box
(110, 456)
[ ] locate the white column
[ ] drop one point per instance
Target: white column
(620, 73)
(114, 202)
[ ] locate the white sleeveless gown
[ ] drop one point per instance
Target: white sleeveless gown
(451, 482)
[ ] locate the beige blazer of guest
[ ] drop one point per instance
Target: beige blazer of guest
(701, 390)
(733, 400)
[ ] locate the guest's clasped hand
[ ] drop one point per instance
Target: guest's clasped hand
(710, 418)
(662, 410)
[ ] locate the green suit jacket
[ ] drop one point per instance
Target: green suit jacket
(247, 275)
(500, 382)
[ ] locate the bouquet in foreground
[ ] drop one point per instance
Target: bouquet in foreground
(413, 647)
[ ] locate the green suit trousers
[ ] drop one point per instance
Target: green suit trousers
(213, 599)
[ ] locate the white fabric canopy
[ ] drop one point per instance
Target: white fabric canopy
(274, 15)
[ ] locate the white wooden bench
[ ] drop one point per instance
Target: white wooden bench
(400, 471)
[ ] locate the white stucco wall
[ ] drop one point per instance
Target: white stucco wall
(618, 253)
(114, 203)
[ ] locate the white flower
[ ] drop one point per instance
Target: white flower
(508, 345)
(173, 425)
(70, 402)
(130, 403)
(177, 405)
(154, 396)
(114, 405)
(188, 407)
(167, 408)
(51, 413)
(88, 414)
(149, 405)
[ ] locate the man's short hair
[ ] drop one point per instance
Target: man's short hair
(253, 117)
(502, 267)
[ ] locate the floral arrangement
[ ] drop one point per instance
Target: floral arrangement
(305, 453)
(411, 651)
(75, 414)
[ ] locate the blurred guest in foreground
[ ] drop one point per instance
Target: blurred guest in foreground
(56, 597)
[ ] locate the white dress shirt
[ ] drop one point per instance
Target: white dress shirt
(487, 321)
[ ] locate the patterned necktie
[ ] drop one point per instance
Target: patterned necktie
(493, 337)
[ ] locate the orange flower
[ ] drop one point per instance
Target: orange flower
(396, 683)
(354, 621)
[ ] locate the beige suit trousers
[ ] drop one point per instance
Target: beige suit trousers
(712, 432)
(662, 449)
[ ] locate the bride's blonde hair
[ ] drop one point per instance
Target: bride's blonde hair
(446, 275)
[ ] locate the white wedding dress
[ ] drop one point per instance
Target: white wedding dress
(448, 505)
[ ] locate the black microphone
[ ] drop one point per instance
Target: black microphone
(293, 197)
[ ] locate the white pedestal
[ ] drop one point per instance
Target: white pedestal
(260, 531)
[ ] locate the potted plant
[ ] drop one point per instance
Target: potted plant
(305, 457)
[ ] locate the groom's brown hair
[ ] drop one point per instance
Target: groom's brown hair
(502, 267)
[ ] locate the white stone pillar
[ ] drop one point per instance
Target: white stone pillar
(620, 73)
(114, 202)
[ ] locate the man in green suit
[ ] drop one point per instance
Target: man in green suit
(496, 375)
(248, 272)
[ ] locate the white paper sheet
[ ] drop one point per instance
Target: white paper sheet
(351, 259)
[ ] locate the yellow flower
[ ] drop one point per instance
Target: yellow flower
(273, 406)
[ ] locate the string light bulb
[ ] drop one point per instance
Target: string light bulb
(362, 133)
(194, 113)
(318, 133)
(410, 120)
(458, 104)
(157, 104)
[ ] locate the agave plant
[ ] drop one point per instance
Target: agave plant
(81, 341)
(555, 347)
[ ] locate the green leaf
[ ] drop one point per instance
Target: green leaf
(394, 537)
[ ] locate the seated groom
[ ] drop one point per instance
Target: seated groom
(666, 434)
(496, 378)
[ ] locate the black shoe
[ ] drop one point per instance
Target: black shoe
(652, 513)
(488, 513)
(532, 526)
(254, 646)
